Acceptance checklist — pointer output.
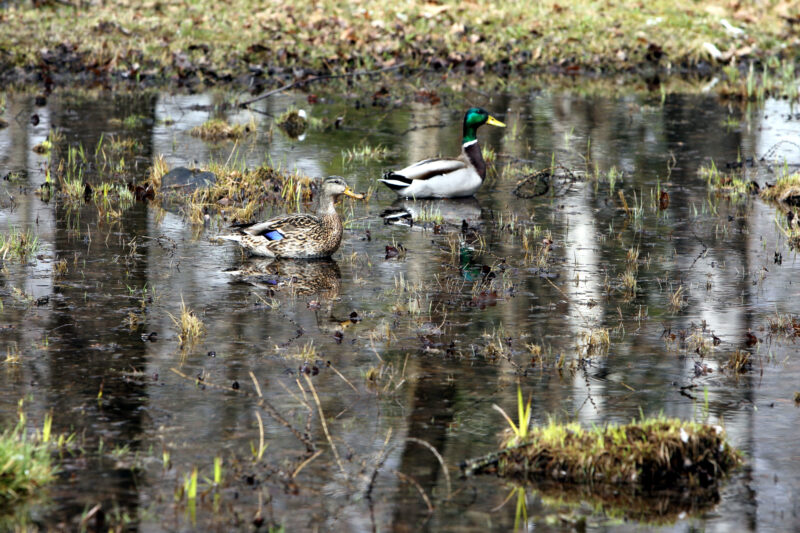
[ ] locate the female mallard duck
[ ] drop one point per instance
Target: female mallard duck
(447, 178)
(299, 236)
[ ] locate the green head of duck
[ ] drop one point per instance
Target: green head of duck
(475, 118)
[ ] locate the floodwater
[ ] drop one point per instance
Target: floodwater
(443, 330)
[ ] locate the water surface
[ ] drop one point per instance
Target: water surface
(444, 329)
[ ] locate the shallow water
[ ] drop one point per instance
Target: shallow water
(443, 329)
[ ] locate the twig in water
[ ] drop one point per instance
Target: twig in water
(381, 459)
(578, 309)
(260, 453)
(255, 382)
(439, 457)
(304, 463)
(344, 379)
(414, 482)
(324, 424)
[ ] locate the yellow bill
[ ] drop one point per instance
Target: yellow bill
(494, 122)
(349, 192)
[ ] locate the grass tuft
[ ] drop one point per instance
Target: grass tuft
(220, 130)
(25, 461)
(190, 327)
(18, 244)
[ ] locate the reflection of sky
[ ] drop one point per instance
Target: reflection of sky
(779, 122)
(189, 111)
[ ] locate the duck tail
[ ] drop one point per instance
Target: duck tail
(395, 181)
(232, 237)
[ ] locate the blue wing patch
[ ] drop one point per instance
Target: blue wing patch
(274, 235)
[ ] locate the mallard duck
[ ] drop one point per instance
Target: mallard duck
(447, 178)
(301, 235)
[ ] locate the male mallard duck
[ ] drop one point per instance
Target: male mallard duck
(447, 178)
(301, 235)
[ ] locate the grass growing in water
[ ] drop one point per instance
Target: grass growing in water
(25, 461)
(596, 340)
(520, 430)
(293, 122)
(189, 325)
(18, 244)
(727, 183)
(237, 193)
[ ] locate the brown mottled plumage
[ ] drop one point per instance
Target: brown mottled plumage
(301, 235)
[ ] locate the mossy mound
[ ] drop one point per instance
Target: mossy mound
(220, 130)
(237, 194)
(651, 453)
(786, 190)
(293, 122)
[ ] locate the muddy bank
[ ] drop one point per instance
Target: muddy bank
(200, 44)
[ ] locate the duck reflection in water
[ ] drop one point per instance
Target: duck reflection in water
(423, 213)
(305, 277)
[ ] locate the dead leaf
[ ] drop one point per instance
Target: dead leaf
(663, 200)
(432, 10)
(717, 11)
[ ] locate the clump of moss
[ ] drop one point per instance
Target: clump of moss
(654, 452)
(786, 189)
(219, 130)
(294, 122)
(43, 147)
